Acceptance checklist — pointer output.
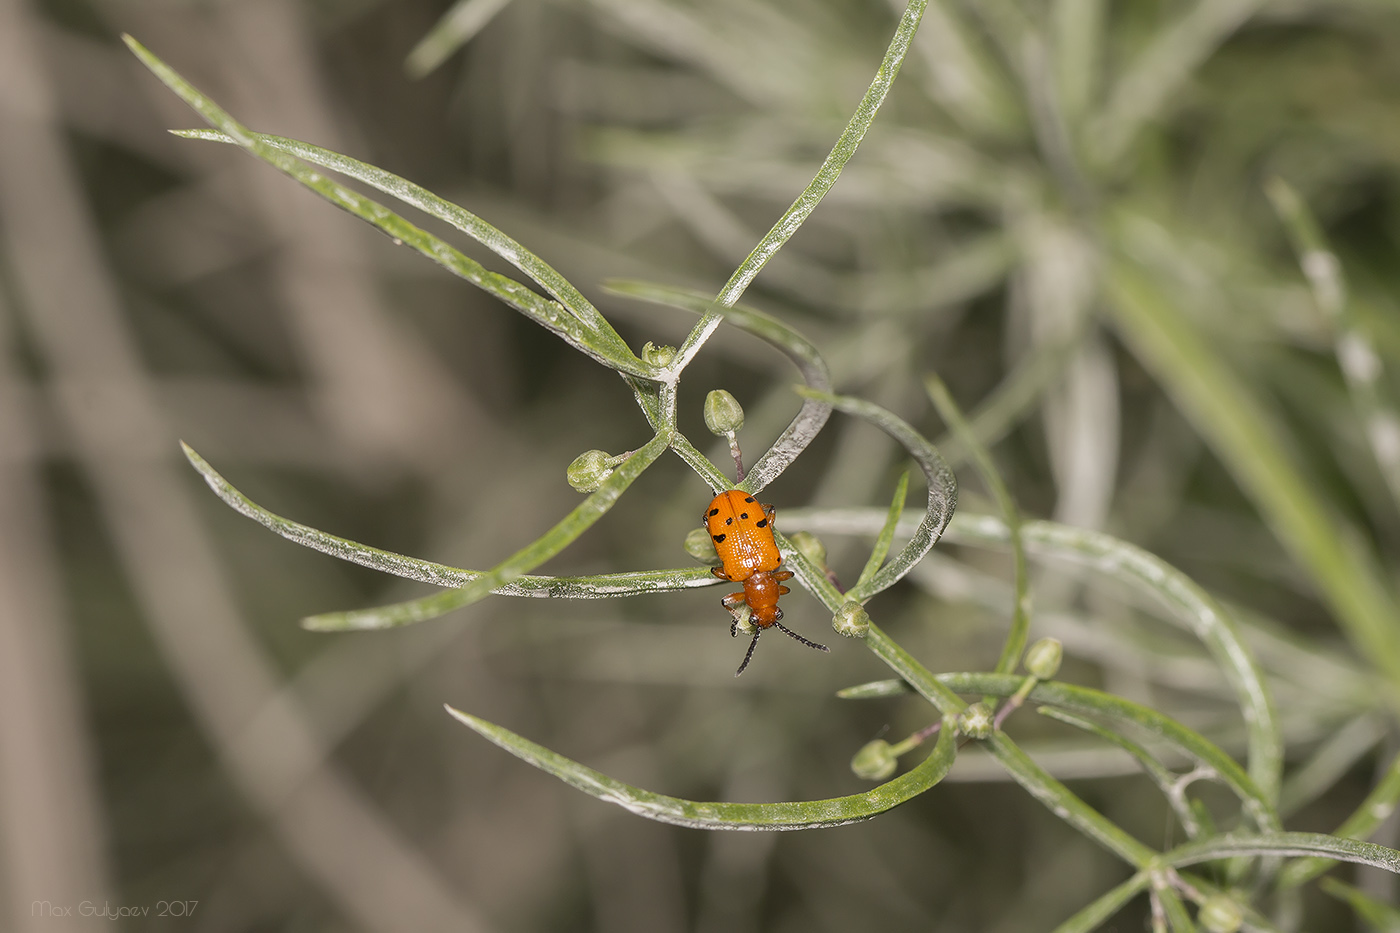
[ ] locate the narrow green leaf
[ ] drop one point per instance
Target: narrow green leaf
(1062, 802)
(810, 814)
(920, 678)
(1123, 712)
(503, 245)
(1186, 603)
(942, 489)
(803, 353)
(600, 586)
(510, 569)
(1383, 917)
(1331, 760)
(812, 195)
(1247, 439)
(1015, 395)
(881, 550)
(1021, 610)
(453, 30)
(1105, 906)
(1177, 917)
(1154, 77)
(549, 314)
(1356, 354)
(1169, 783)
(1374, 810)
(876, 689)
(1299, 844)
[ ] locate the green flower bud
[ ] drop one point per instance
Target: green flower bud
(723, 413)
(875, 761)
(851, 620)
(699, 545)
(1043, 658)
(810, 545)
(590, 469)
(657, 356)
(743, 620)
(976, 721)
(1221, 914)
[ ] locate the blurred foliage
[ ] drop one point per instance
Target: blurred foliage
(1064, 210)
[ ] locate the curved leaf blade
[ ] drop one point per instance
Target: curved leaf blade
(600, 586)
(812, 195)
(942, 489)
(1303, 844)
(814, 413)
(507, 571)
(498, 242)
(757, 817)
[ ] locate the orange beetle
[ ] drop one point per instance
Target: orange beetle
(742, 530)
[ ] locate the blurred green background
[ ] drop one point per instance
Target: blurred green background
(1047, 180)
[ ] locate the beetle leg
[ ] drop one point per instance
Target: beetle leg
(783, 591)
(782, 575)
(732, 601)
(719, 572)
(809, 644)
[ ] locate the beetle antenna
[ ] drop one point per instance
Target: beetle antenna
(809, 644)
(749, 654)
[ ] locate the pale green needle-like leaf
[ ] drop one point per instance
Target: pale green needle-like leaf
(1374, 810)
(1169, 783)
(942, 489)
(1286, 844)
(1356, 354)
(1022, 389)
(1178, 920)
(453, 30)
(545, 275)
(809, 814)
(1106, 905)
(600, 586)
(510, 569)
(550, 314)
(1066, 805)
(881, 550)
(1186, 602)
(1330, 761)
(1377, 914)
(812, 195)
(1245, 436)
(1158, 72)
(986, 468)
(876, 689)
(1122, 712)
(814, 413)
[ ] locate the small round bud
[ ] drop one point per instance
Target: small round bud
(659, 357)
(851, 620)
(699, 545)
(875, 761)
(590, 469)
(1043, 658)
(1221, 914)
(810, 545)
(976, 721)
(723, 413)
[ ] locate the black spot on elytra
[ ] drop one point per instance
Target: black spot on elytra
(714, 511)
(748, 498)
(729, 521)
(718, 538)
(745, 515)
(761, 523)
